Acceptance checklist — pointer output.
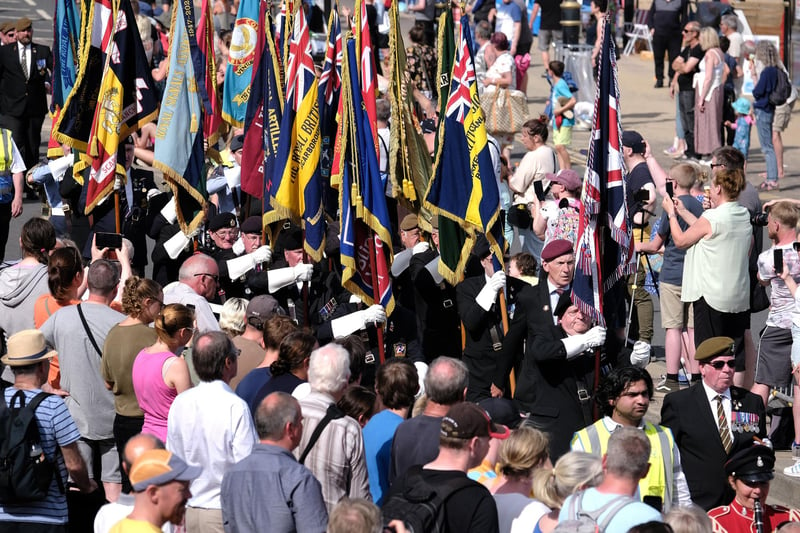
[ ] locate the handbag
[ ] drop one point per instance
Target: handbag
(506, 110)
(758, 299)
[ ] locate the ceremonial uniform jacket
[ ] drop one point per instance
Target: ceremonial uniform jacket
(688, 414)
(734, 518)
(435, 304)
(20, 97)
(483, 351)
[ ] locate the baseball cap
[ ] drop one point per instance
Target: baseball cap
(159, 467)
(466, 420)
(633, 140)
(261, 308)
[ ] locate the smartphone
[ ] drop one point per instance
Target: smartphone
(538, 188)
(108, 240)
(654, 501)
(778, 259)
(642, 196)
(670, 190)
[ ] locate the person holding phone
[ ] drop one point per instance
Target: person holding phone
(716, 279)
(774, 367)
(677, 317)
(559, 218)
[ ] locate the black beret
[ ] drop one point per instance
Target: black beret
(251, 225)
(223, 220)
(481, 248)
(237, 143)
(291, 237)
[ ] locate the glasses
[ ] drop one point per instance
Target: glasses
(212, 276)
(719, 365)
(228, 233)
(716, 165)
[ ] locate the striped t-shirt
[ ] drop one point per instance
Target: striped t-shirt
(56, 428)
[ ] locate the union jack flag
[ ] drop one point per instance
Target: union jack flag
(367, 72)
(463, 78)
(604, 249)
(300, 71)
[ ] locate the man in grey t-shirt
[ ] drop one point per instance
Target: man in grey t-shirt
(78, 333)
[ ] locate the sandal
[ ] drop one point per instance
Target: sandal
(769, 185)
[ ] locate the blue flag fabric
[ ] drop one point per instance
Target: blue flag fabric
(604, 250)
(239, 72)
(179, 136)
(365, 235)
(464, 188)
(66, 42)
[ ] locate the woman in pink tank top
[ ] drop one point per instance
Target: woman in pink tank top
(159, 372)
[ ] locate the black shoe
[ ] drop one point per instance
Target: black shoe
(659, 84)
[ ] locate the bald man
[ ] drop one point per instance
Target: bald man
(111, 513)
(198, 283)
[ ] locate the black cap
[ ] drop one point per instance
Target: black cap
(251, 225)
(502, 411)
(481, 248)
(291, 237)
(223, 220)
(754, 464)
(633, 140)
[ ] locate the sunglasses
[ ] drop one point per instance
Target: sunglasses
(212, 276)
(716, 165)
(719, 365)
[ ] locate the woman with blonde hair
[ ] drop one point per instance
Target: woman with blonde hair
(708, 94)
(573, 472)
(232, 317)
(520, 455)
(159, 372)
(691, 519)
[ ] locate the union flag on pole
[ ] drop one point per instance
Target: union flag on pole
(464, 189)
(296, 188)
(604, 251)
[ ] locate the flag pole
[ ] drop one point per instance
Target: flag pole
(305, 284)
(376, 292)
(512, 378)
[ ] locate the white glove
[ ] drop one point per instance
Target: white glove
(489, 291)
(177, 244)
(280, 278)
(262, 254)
(374, 314)
(303, 272)
(349, 324)
(238, 246)
(497, 281)
(595, 337)
(239, 266)
(233, 176)
(640, 355)
(575, 345)
(422, 246)
(168, 211)
(59, 166)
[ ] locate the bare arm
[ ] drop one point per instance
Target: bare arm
(177, 374)
(685, 239)
(656, 170)
(77, 468)
(19, 187)
(650, 247)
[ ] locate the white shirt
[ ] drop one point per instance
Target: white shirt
(209, 426)
(27, 48)
(180, 293)
(554, 297)
(712, 402)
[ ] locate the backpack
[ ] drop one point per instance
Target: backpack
(25, 472)
(580, 521)
(420, 505)
(783, 89)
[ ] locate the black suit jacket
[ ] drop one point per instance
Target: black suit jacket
(435, 306)
(688, 414)
(20, 97)
(485, 364)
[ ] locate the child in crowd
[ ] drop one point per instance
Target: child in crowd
(744, 120)
(562, 129)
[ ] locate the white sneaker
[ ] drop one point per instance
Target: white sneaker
(792, 471)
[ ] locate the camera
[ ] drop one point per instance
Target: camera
(760, 219)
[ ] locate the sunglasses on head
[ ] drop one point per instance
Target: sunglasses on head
(719, 365)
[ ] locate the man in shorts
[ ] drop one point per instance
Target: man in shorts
(549, 27)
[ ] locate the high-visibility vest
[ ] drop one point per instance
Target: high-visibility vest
(660, 478)
(6, 159)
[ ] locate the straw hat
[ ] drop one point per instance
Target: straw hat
(26, 348)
